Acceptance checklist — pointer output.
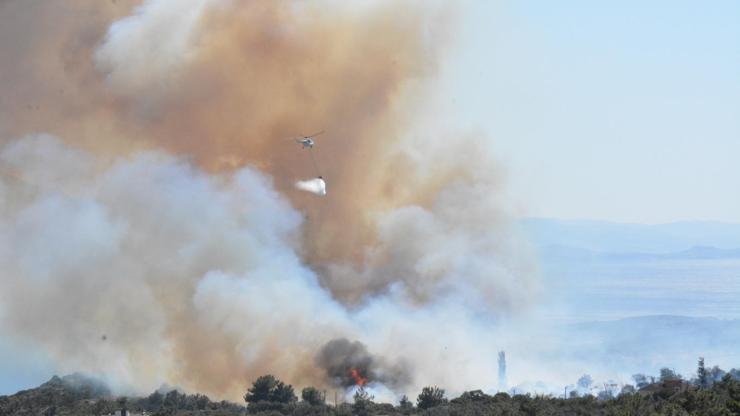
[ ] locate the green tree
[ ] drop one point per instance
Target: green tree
(154, 401)
(270, 394)
(100, 407)
(405, 406)
(172, 399)
(283, 393)
(313, 396)
(201, 401)
(701, 374)
(261, 389)
(430, 397)
(269, 389)
(731, 389)
(363, 401)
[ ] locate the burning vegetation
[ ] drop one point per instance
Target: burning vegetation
(359, 380)
(349, 363)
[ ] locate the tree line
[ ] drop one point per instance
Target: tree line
(710, 391)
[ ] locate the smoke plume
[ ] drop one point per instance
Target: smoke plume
(147, 193)
(349, 364)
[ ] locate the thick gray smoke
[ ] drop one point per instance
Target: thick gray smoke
(350, 364)
(160, 208)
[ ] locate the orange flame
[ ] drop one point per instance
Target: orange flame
(359, 380)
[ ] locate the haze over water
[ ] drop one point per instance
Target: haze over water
(614, 289)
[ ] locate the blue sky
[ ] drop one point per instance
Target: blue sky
(613, 110)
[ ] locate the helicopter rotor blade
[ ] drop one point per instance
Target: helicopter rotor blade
(313, 135)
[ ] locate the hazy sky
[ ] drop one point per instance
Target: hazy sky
(617, 110)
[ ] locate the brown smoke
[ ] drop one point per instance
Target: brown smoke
(228, 90)
(259, 73)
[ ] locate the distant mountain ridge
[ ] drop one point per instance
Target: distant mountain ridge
(613, 237)
(693, 253)
(667, 322)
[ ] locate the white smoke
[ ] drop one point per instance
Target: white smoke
(150, 251)
(145, 269)
(145, 50)
(142, 241)
(315, 186)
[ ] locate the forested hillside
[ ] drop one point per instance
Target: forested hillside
(668, 394)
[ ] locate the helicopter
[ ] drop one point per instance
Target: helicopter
(317, 185)
(306, 141)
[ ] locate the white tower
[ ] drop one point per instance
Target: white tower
(502, 371)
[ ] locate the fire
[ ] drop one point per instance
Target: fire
(359, 380)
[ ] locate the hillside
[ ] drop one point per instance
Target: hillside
(77, 395)
(74, 393)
